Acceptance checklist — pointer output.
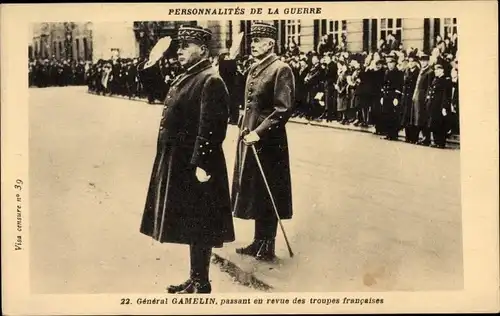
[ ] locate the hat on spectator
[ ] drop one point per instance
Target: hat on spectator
(194, 34)
(413, 56)
(391, 59)
(424, 56)
(260, 29)
(438, 65)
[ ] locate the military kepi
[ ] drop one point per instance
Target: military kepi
(260, 29)
(194, 34)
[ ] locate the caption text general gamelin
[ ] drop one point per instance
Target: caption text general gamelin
(252, 301)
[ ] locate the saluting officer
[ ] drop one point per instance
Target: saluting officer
(188, 200)
(391, 98)
(437, 103)
(269, 103)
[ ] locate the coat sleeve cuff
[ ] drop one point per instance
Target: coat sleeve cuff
(203, 152)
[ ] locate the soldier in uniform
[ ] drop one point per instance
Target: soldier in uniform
(418, 113)
(229, 72)
(391, 96)
(188, 199)
(455, 108)
(301, 89)
(330, 80)
(269, 103)
(410, 81)
(377, 80)
(437, 104)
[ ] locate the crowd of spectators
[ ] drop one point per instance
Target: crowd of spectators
(332, 84)
(56, 72)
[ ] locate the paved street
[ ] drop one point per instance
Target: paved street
(370, 215)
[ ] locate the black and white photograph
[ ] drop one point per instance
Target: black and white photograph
(184, 156)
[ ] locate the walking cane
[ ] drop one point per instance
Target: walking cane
(245, 132)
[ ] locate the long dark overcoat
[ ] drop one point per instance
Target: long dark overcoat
(269, 103)
(179, 208)
(418, 114)
(410, 81)
(438, 98)
(391, 95)
(377, 80)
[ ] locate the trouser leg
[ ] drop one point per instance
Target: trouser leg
(266, 229)
(200, 262)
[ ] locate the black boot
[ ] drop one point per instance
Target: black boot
(197, 287)
(266, 251)
(179, 287)
(191, 287)
(250, 250)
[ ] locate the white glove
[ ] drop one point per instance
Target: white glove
(381, 100)
(157, 52)
(444, 112)
(202, 175)
(395, 102)
(251, 138)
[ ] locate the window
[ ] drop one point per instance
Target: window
(390, 26)
(449, 27)
(292, 31)
(77, 49)
(85, 49)
(337, 28)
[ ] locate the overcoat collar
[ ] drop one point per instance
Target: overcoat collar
(259, 67)
(193, 70)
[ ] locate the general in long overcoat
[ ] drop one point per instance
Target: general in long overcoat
(179, 208)
(269, 103)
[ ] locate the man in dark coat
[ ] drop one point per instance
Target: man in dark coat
(330, 80)
(188, 199)
(314, 85)
(455, 104)
(377, 80)
(269, 103)
(229, 72)
(410, 81)
(437, 104)
(391, 98)
(301, 89)
(418, 114)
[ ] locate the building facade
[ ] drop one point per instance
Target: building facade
(66, 40)
(359, 34)
(93, 41)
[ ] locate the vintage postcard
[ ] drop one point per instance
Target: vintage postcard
(250, 158)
